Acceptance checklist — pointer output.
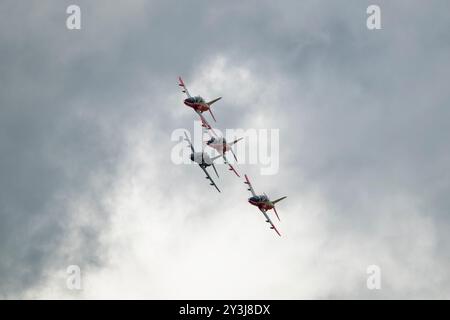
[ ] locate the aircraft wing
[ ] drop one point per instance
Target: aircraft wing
(235, 141)
(209, 178)
(272, 226)
(231, 167)
(182, 85)
(189, 141)
(250, 188)
(205, 123)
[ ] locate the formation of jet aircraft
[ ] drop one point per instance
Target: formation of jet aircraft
(222, 147)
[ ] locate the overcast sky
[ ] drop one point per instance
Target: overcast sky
(86, 118)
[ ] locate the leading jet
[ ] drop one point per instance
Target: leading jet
(198, 104)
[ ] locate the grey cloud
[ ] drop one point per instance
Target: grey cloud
(362, 115)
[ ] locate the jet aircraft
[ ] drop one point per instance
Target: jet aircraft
(263, 203)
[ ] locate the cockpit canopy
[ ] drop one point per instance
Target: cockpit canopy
(196, 99)
(261, 198)
(199, 99)
(217, 141)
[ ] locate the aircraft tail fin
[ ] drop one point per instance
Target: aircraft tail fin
(278, 200)
(212, 101)
(215, 170)
(235, 141)
(212, 115)
(276, 213)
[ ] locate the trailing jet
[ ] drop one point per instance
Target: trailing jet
(221, 146)
(203, 161)
(198, 104)
(263, 203)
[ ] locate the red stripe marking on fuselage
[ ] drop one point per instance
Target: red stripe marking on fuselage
(261, 204)
(202, 107)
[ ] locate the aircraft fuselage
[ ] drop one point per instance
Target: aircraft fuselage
(262, 204)
(201, 158)
(197, 105)
(220, 147)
